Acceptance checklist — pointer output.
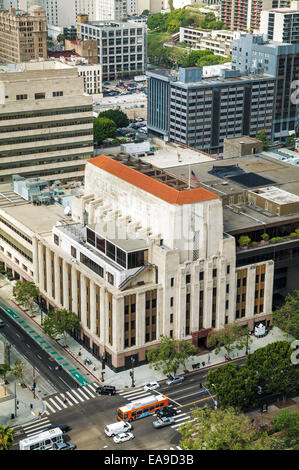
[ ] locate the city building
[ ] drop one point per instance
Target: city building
(91, 73)
(87, 48)
(112, 10)
(256, 54)
(202, 112)
(146, 253)
(281, 24)
(122, 46)
(240, 15)
(46, 122)
(23, 35)
(217, 41)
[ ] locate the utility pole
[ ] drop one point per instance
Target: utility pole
(209, 393)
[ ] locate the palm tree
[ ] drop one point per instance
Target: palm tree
(6, 437)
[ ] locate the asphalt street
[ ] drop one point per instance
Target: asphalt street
(35, 355)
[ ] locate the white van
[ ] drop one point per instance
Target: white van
(116, 428)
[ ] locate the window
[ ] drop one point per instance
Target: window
(22, 97)
(228, 269)
(244, 281)
(227, 288)
(73, 252)
(171, 301)
(171, 318)
(188, 278)
(201, 276)
(56, 239)
(214, 272)
(172, 282)
(187, 298)
(57, 93)
(40, 96)
(262, 277)
(110, 278)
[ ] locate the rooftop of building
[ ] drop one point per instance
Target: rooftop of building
(168, 187)
(237, 175)
(112, 24)
(276, 195)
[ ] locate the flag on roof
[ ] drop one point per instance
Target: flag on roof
(194, 177)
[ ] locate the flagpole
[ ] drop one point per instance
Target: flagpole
(189, 176)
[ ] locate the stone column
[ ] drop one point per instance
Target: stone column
(140, 319)
(65, 285)
(83, 302)
(74, 291)
(117, 324)
(57, 279)
(92, 309)
(41, 268)
(49, 272)
(35, 261)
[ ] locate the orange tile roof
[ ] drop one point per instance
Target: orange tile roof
(150, 185)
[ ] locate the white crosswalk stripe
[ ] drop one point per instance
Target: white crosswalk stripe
(183, 421)
(88, 391)
(84, 395)
(72, 398)
(54, 403)
(36, 427)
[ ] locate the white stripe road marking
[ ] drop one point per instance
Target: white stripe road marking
(182, 390)
(71, 396)
(131, 392)
(137, 395)
(34, 422)
(54, 403)
(179, 424)
(178, 447)
(61, 402)
(68, 402)
(81, 391)
(88, 391)
(181, 418)
(78, 396)
(190, 395)
(46, 413)
(93, 386)
(38, 430)
(50, 407)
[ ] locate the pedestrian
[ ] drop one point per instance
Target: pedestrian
(64, 399)
(208, 358)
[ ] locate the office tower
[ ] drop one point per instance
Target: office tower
(45, 122)
(23, 35)
(256, 54)
(281, 25)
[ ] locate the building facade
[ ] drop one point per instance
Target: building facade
(145, 255)
(281, 25)
(240, 15)
(255, 54)
(201, 113)
(122, 47)
(23, 36)
(45, 122)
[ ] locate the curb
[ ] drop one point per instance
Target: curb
(60, 345)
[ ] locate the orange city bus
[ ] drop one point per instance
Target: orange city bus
(140, 408)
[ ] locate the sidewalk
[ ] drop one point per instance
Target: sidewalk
(142, 373)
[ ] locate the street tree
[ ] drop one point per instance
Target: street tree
(234, 386)
(4, 369)
(119, 118)
(275, 370)
(103, 128)
(169, 355)
(26, 293)
(57, 322)
(6, 437)
(262, 135)
(287, 317)
(231, 337)
(223, 430)
(18, 370)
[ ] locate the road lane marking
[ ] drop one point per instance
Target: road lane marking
(54, 403)
(197, 401)
(50, 407)
(88, 391)
(81, 391)
(71, 396)
(61, 402)
(190, 395)
(78, 396)
(181, 390)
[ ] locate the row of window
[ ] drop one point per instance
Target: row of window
(39, 96)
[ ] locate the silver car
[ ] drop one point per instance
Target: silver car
(175, 380)
(164, 421)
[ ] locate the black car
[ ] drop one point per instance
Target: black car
(106, 390)
(63, 427)
(2, 323)
(167, 411)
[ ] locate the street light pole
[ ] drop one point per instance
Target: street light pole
(15, 398)
(208, 391)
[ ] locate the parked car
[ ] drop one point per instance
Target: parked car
(151, 386)
(175, 380)
(123, 437)
(2, 323)
(64, 446)
(164, 421)
(167, 411)
(63, 427)
(106, 83)
(106, 390)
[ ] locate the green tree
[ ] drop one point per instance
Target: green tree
(274, 368)
(26, 293)
(18, 370)
(234, 386)
(4, 369)
(287, 423)
(61, 38)
(287, 317)
(57, 322)
(103, 128)
(290, 141)
(119, 118)
(169, 355)
(223, 430)
(244, 240)
(231, 337)
(6, 437)
(262, 135)
(145, 13)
